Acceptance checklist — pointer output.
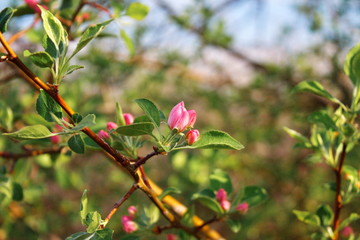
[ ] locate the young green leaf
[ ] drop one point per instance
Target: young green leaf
(77, 144)
(316, 88)
(150, 110)
(73, 68)
(81, 236)
(76, 117)
(89, 34)
(169, 191)
(45, 105)
(207, 198)
(87, 121)
(323, 117)
(141, 119)
(298, 136)
(119, 115)
(104, 234)
(128, 42)
(40, 59)
(352, 65)
(307, 217)
(214, 139)
(137, 11)
(254, 195)
(235, 225)
(84, 207)
(6, 116)
(5, 16)
(325, 215)
(136, 129)
(92, 221)
(220, 179)
(31, 132)
(53, 27)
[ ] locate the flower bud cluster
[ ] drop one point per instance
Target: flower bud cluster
(182, 119)
(127, 222)
(129, 119)
(221, 197)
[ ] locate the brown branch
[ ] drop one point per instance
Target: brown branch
(30, 153)
(118, 204)
(143, 160)
(208, 222)
(76, 12)
(111, 152)
(338, 200)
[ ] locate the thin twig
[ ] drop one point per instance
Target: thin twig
(30, 153)
(208, 222)
(118, 204)
(143, 160)
(338, 200)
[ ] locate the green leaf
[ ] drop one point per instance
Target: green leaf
(31, 132)
(298, 136)
(352, 65)
(128, 42)
(119, 115)
(137, 11)
(87, 121)
(89, 34)
(50, 47)
(5, 16)
(142, 119)
(73, 68)
(6, 116)
(325, 215)
(207, 198)
(53, 27)
(169, 191)
(136, 129)
(40, 59)
(45, 105)
(152, 214)
(316, 88)
(254, 195)
(215, 139)
(77, 144)
(235, 225)
(220, 179)
(91, 143)
(307, 217)
(323, 118)
(84, 206)
(187, 218)
(81, 236)
(150, 110)
(92, 221)
(104, 234)
(352, 218)
(77, 117)
(17, 194)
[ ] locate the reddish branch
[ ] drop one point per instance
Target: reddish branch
(338, 200)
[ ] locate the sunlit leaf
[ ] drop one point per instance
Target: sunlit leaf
(31, 132)
(137, 11)
(150, 110)
(136, 129)
(5, 16)
(215, 139)
(40, 59)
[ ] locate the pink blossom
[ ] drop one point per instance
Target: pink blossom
(102, 134)
(243, 207)
(128, 225)
(55, 139)
(132, 210)
(192, 136)
(221, 195)
(347, 231)
(33, 4)
(129, 118)
(180, 118)
(171, 237)
(111, 125)
(225, 204)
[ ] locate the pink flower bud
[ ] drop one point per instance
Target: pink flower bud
(171, 237)
(111, 125)
(129, 119)
(102, 134)
(192, 136)
(180, 118)
(225, 204)
(58, 127)
(33, 4)
(55, 139)
(129, 226)
(347, 231)
(221, 195)
(242, 207)
(132, 210)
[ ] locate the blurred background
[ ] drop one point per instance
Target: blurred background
(234, 62)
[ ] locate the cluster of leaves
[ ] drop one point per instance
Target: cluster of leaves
(334, 133)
